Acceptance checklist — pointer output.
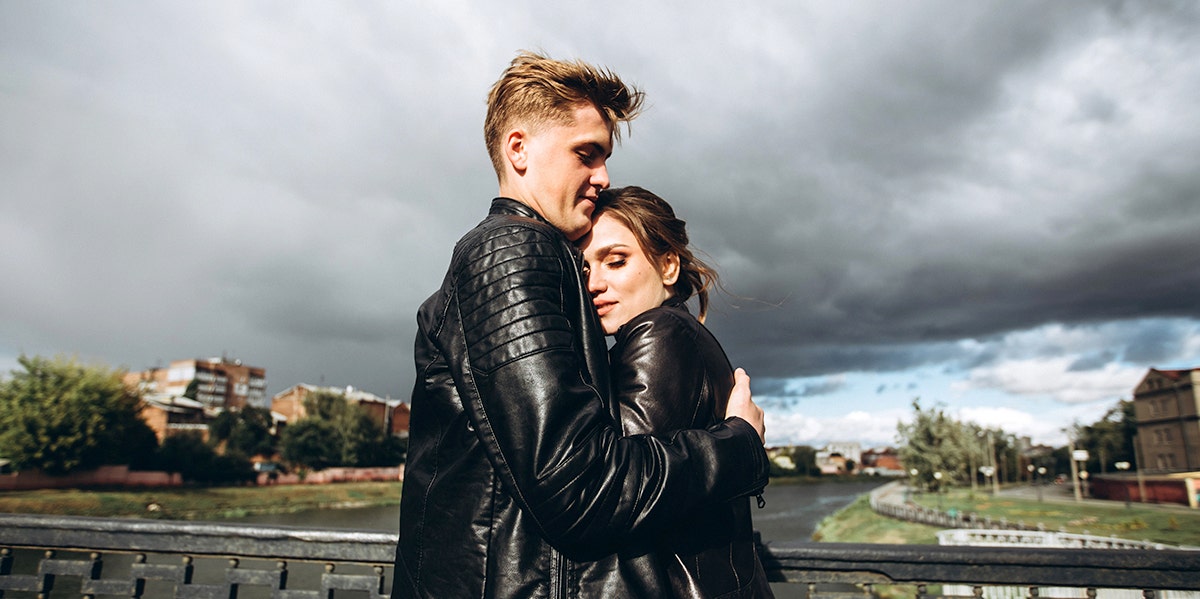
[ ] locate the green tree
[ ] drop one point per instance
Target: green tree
(61, 416)
(311, 442)
(346, 436)
(935, 443)
(197, 461)
(805, 458)
(246, 432)
(1110, 439)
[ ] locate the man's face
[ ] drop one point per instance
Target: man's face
(565, 170)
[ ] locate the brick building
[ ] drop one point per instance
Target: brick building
(217, 383)
(392, 414)
(1167, 408)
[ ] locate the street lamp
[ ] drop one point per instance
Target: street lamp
(1042, 475)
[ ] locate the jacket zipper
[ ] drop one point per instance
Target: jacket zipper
(558, 577)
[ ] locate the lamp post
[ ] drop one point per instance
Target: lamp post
(1123, 466)
(1042, 475)
(912, 478)
(938, 477)
(995, 463)
(988, 472)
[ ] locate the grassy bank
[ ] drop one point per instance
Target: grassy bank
(858, 524)
(198, 503)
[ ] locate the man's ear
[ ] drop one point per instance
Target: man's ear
(516, 150)
(670, 268)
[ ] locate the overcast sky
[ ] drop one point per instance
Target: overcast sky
(992, 206)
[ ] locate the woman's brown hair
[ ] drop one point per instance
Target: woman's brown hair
(660, 233)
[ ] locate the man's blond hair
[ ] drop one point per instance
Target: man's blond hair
(536, 91)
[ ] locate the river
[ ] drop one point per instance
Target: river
(792, 511)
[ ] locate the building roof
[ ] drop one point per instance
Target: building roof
(172, 403)
(349, 392)
(1174, 374)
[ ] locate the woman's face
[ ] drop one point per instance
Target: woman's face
(622, 279)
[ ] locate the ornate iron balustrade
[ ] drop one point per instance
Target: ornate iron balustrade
(94, 557)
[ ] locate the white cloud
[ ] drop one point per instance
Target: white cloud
(1052, 377)
(871, 429)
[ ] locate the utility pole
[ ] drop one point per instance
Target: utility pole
(1075, 471)
(995, 465)
(1137, 464)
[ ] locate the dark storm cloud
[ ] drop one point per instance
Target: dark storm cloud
(870, 210)
(883, 187)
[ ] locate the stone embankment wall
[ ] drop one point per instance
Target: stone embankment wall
(104, 476)
(122, 476)
(334, 475)
(888, 500)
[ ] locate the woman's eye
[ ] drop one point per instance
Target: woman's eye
(616, 263)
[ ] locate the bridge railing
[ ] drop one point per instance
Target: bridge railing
(57, 556)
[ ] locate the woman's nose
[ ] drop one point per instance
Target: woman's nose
(594, 283)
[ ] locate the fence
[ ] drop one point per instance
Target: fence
(57, 556)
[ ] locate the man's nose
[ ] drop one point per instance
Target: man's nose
(600, 177)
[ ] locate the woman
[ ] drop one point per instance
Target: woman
(669, 373)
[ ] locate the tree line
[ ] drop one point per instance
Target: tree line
(945, 451)
(60, 416)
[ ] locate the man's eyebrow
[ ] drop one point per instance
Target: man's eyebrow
(596, 148)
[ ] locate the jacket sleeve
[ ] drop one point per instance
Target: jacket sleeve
(659, 376)
(546, 430)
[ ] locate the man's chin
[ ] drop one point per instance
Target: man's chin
(577, 233)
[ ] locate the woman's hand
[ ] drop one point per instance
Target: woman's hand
(742, 405)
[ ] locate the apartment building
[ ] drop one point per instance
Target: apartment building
(1167, 408)
(839, 458)
(217, 383)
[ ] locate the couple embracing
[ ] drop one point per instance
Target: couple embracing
(539, 463)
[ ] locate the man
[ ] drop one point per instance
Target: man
(517, 474)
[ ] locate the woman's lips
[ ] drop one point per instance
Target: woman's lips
(603, 308)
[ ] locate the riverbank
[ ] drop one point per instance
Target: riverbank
(1168, 524)
(207, 503)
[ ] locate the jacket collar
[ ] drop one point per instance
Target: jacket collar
(675, 302)
(513, 207)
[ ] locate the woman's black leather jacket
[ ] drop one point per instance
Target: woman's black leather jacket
(518, 475)
(670, 373)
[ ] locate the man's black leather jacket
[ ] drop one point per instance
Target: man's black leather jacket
(517, 474)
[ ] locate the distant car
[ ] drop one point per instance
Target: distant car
(266, 467)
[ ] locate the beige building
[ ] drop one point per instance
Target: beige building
(1166, 406)
(217, 383)
(839, 458)
(392, 414)
(171, 415)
